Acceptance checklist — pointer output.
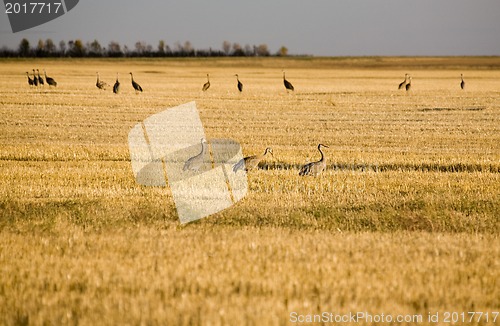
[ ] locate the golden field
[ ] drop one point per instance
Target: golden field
(404, 220)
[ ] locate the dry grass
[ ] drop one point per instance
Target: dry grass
(404, 220)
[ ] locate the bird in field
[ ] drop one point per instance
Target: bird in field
(136, 86)
(196, 162)
(315, 168)
(240, 85)
(403, 83)
(30, 81)
(101, 84)
(251, 162)
(462, 83)
(288, 85)
(50, 81)
(40, 79)
(116, 86)
(207, 84)
(35, 80)
(408, 86)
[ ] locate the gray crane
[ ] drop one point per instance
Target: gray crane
(30, 81)
(35, 80)
(136, 86)
(240, 85)
(196, 162)
(116, 86)
(315, 168)
(101, 84)
(251, 162)
(50, 81)
(408, 86)
(403, 83)
(207, 84)
(288, 85)
(40, 79)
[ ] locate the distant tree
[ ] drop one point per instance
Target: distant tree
(226, 47)
(161, 47)
(283, 51)
(24, 48)
(114, 49)
(249, 50)
(262, 50)
(76, 48)
(140, 47)
(62, 47)
(95, 49)
(237, 50)
(188, 48)
(49, 46)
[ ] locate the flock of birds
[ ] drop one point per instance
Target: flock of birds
(100, 84)
(252, 162)
(38, 80)
(247, 163)
(406, 84)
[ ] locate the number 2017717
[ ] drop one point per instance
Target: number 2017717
(32, 8)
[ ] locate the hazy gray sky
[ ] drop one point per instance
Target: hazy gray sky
(318, 27)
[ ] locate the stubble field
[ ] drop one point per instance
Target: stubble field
(404, 220)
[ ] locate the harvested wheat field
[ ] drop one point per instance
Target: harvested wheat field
(404, 222)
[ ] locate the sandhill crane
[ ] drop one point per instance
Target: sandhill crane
(408, 86)
(101, 84)
(116, 86)
(30, 81)
(462, 83)
(315, 168)
(207, 84)
(35, 80)
(40, 79)
(251, 162)
(196, 162)
(403, 84)
(50, 81)
(136, 86)
(288, 85)
(240, 85)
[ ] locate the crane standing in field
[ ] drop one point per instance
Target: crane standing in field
(315, 168)
(40, 79)
(35, 79)
(403, 83)
(207, 84)
(240, 85)
(408, 86)
(30, 81)
(196, 162)
(288, 85)
(101, 84)
(136, 86)
(251, 162)
(462, 83)
(116, 86)
(50, 81)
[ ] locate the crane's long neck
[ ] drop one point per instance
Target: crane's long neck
(203, 147)
(322, 156)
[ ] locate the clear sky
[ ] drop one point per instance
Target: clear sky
(317, 27)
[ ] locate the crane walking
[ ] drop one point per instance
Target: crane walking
(251, 162)
(315, 168)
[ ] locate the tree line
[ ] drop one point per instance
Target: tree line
(79, 49)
